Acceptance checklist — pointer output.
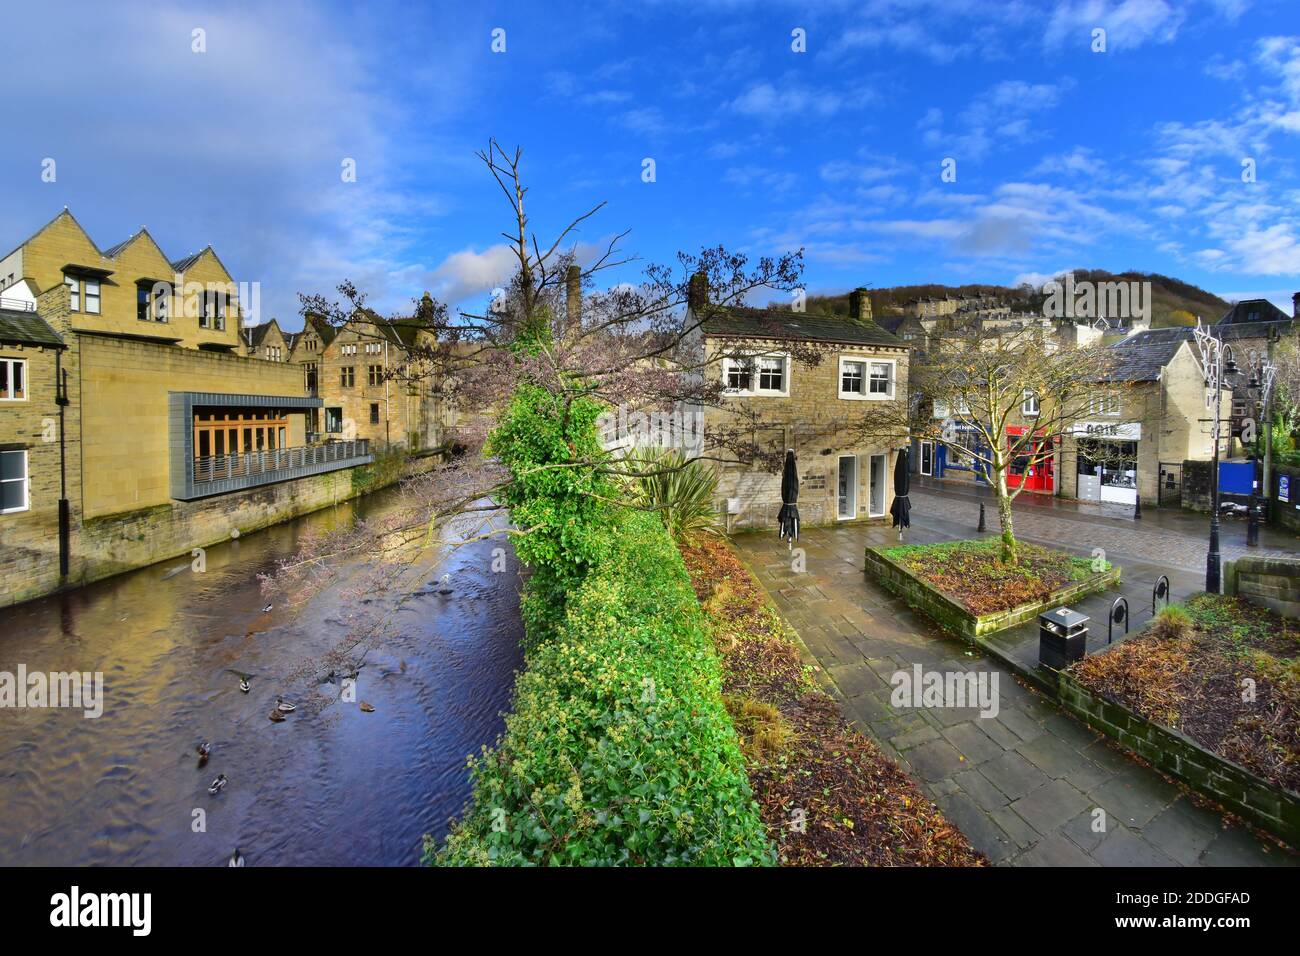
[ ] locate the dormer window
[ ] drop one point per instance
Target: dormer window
(92, 296)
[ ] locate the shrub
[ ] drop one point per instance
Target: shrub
(1172, 622)
(681, 491)
(619, 749)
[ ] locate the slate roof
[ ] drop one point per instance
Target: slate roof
(1142, 356)
(1262, 309)
(27, 328)
(256, 334)
(799, 326)
(182, 265)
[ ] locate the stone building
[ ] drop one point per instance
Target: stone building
(372, 380)
(266, 341)
(810, 408)
(162, 435)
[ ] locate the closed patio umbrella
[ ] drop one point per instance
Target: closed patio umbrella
(901, 509)
(788, 517)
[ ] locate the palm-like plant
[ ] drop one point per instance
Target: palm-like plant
(681, 490)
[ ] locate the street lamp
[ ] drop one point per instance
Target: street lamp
(1263, 373)
(1216, 362)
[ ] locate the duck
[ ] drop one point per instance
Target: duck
(244, 685)
(267, 609)
(219, 784)
(367, 708)
(236, 858)
(284, 707)
(445, 584)
(275, 716)
(204, 749)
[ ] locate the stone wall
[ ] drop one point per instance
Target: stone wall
(1196, 485)
(1273, 583)
(1229, 784)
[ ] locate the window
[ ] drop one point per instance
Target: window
(212, 311)
(13, 380)
(374, 348)
(740, 375)
(1029, 407)
(881, 382)
(333, 420)
(310, 373)
(771, 374)
(1104, 405)
(852, 378)
(74, 292)
(348, 349)
(219, 311)
(13, 481)
(374, 413)
(375, 374)
(273, 353)
(161, 293)
(92, 296)
(346, 376)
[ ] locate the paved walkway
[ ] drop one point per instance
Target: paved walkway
(1024, 785)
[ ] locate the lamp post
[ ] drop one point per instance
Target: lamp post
(1263, 373)
(1216, 362)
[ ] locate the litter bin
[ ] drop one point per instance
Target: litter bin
(1062, 637)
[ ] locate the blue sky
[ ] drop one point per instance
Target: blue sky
(1065, 157)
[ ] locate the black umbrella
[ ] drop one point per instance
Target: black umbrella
(788, 517)
(901, 509)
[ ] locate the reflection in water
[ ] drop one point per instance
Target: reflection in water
(331, 786)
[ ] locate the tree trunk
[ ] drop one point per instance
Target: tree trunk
(1010, 554)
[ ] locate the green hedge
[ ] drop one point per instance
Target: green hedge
(619, 750)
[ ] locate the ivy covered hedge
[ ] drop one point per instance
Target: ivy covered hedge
(619, 749)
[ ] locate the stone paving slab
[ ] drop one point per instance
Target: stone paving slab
(1027, 785)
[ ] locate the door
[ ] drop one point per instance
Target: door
(878, 473)
(848, 489)
(927, 458)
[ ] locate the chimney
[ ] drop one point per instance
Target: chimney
(860, 306)
(697, 293)
(573, 297)
(1295, 305)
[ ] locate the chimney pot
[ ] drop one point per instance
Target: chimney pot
(697, 292)
(860, 305)
(573, 297)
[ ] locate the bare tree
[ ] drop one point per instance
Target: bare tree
(1004, 401)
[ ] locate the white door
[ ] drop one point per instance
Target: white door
(848, 488)
(879, 469)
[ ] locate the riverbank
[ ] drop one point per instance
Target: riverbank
(826, 793)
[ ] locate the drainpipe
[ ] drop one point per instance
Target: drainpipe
(65, 512)
(387, 407)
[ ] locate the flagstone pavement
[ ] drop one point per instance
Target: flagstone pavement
(1024, 785)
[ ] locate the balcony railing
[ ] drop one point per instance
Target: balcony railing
(17, 305)
(252, 464)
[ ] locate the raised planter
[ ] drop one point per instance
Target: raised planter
(956, 618)
(1229, 784)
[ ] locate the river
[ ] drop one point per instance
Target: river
(328, 786)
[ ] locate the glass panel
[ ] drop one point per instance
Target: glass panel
(92, 296)
(4, 380)
(13, 495)
(205, 444)
(13, 465)
(219, 442)
(19, 368)
(142, 304)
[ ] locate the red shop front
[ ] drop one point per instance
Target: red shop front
(1034, 467)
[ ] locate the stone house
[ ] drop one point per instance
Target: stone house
(816, 409)
(266, 341)
(167, 435)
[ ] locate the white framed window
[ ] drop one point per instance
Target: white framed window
(880, 379)
(13, 380)
(348, 349)
(853, 378)
(92, 296)
(13, 482)
(1104, 405)
(74, 292)
(765, 374)
(1029, 405)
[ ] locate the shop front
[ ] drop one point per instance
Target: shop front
(1033, 466)
(1106, 461)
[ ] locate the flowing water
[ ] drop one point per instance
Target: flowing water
(329, 785)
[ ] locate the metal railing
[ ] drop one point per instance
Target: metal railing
(252, 463)
(17, 305)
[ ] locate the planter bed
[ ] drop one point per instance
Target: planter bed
(1047, 579)
(1173, 695)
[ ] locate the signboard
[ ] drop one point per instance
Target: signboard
(1123, 431)
(1284, 488)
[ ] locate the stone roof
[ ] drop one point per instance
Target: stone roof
(1141, 357)
(738, 322)
(26, 328)
(1262, 310)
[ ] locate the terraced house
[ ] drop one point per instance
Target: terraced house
(805, 406)
(134, 427)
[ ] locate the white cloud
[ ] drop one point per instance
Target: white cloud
(1128, 24)
(467, 274)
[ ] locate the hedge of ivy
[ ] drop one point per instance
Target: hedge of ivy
(619, 749)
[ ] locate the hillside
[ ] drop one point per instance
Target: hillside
(1173, 302)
